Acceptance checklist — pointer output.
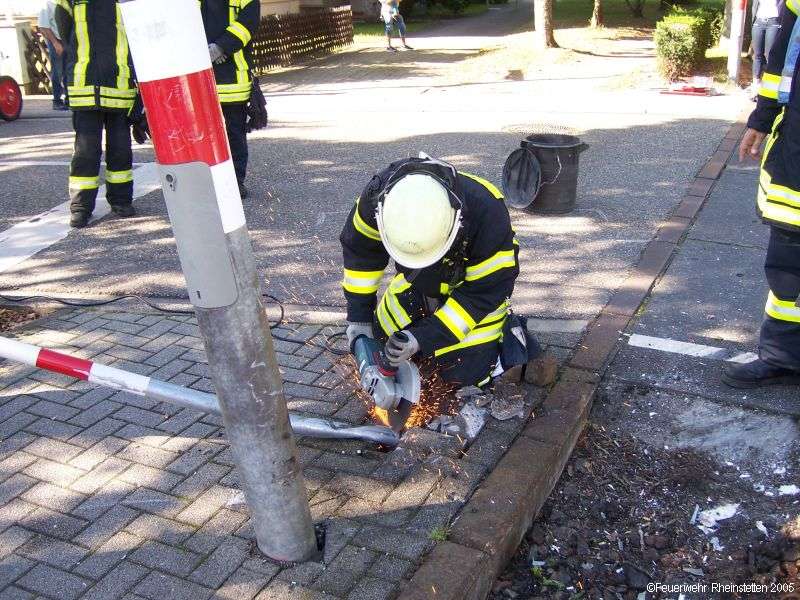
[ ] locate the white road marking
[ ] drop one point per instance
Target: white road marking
(690, 349)
(23, 240)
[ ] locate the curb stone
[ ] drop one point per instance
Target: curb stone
(489, 528)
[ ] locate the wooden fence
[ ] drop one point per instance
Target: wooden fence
(281, 40)
(284, 40)
(38, 61)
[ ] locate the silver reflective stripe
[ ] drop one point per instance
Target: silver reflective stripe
(500, 260)
(454, 319)
(783, 310)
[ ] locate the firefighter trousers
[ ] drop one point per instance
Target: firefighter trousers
(236, 128)
(84, 173)
(469, 362)
(780, 332)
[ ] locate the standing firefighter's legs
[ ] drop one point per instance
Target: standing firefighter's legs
(84, 173)
(780, 331)
(236, 128)
(779, 347)
(119, 157)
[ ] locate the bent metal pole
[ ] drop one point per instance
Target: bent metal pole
(173, 69)
(163, 391)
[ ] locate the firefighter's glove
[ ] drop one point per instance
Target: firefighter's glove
(401, 347)
(257, 117)
(140, 130)
(355, 330)
(216, 53)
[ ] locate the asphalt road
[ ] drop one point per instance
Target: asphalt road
(337, 121)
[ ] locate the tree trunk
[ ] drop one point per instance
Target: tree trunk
(543, 13)
(597, 14)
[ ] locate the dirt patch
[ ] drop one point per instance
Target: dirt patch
(621, 517)
(12, 317)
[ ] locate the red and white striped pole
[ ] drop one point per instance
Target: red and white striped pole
(173, 68)
(163, 391)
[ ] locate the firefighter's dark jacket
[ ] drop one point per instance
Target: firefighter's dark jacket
(473, 282)
(231, 24)
(779, 184)
(99, 68)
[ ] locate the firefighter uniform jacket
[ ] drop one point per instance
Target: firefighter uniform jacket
(472, 283)
(779, 184)
(231, 24)
(99, 71)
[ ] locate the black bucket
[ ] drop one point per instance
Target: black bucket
(557, 156)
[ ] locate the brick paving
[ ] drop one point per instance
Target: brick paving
(107, 495)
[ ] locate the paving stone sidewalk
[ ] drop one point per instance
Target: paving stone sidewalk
(104, 494)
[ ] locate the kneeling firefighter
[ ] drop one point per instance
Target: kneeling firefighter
(456, 260)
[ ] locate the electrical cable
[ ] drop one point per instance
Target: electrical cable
(329, 340)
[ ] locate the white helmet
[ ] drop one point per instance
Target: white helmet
(417, 221)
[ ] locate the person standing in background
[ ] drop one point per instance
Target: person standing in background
(390, 13)
(766, 25)
(230, 26)
(55, 48)
(101, 94)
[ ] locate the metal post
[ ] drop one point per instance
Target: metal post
(738, 13)
(170, 53)
(163, 391)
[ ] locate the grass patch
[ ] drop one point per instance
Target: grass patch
(439, 534)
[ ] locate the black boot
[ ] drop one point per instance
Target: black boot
(758, 373)
(79, 219)
(123, 210)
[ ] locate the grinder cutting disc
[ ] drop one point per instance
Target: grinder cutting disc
(408, 390)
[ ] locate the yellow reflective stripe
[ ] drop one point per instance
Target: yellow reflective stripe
(123, 72)
(481, 336)
(399, 284)
(777, 212)
(782, 310)
(77, 182)
(455, 318)
(113, 103)
(238, 57)
(793, 6)
(488, 185)
(783, 194)
(240, 31)
(119, 176)
(501, 260)
(384, 321)
(241, 68)
(396, 310)
(362, 226)
(118, 93)
(498, 312)
(444, 289)
(65, 5)
(769, 86)
(240, 97)
(81, 101)
(82, 41)
(362, 282)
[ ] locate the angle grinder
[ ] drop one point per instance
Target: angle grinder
(394, 389)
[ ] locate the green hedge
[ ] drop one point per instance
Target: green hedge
(683, 37)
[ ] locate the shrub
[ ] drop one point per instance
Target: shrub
(680, 45)
(454, 6)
